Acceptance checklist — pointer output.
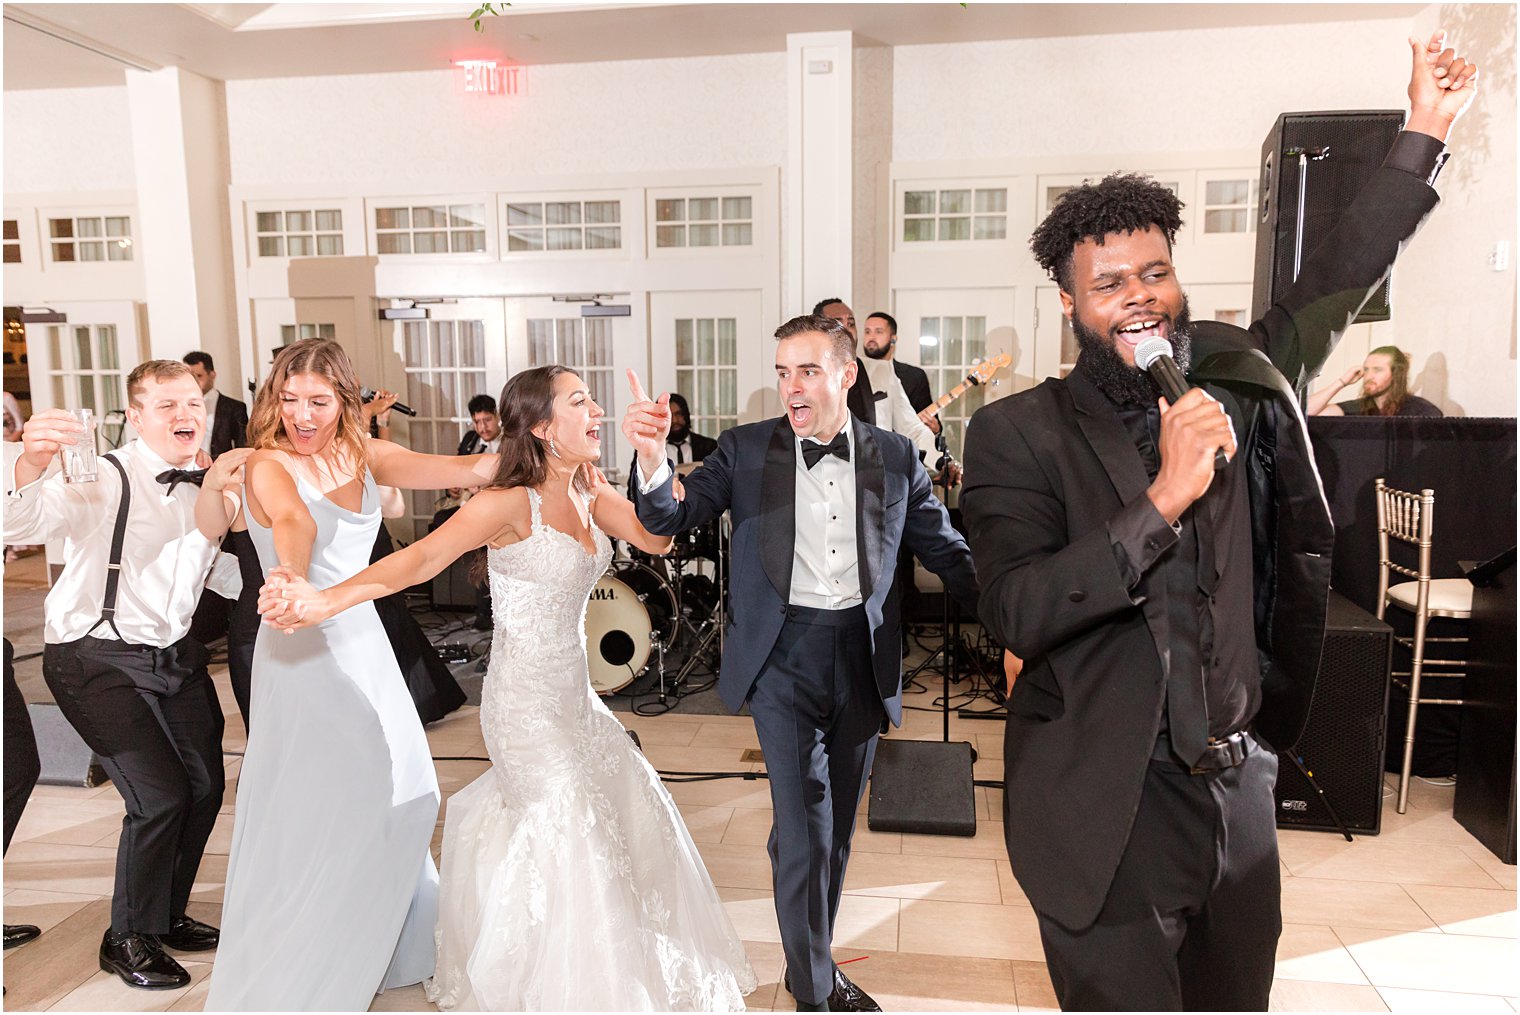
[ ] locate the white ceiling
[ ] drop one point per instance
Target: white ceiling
(55, 45)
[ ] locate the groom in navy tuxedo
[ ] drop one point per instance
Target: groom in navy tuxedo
(821, 505)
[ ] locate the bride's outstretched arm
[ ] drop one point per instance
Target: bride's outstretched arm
(394, 465)
(615, 515)
(288, 601)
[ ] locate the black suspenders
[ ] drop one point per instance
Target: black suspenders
(113, 568)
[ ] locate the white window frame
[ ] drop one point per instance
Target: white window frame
(284, 234)
(582, 198)
(654, 196)
(491, 215)
(9, 242)
(74, 215)
(901, 216)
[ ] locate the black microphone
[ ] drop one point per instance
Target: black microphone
(368, 394)
(1154, 356)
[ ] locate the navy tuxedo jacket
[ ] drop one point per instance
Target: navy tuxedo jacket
(753, 472)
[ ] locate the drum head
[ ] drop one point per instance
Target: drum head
(629, 604)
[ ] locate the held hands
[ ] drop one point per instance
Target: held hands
(289, 602)
(47, 433)
(1191, 430)
(226, 471)
(647, 424)
(1442, 85)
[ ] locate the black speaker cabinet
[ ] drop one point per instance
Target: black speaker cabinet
(1343, 151)
(922, 786)
(1342, 743)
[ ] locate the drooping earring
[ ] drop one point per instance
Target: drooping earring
(552, 449)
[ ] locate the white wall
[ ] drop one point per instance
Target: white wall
(68, 139)
(637, 115)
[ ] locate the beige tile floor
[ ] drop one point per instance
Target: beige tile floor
(1421, 917)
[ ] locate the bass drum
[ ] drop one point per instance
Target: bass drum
(630, 603)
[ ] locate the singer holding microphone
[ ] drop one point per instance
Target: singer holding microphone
(1155, 545)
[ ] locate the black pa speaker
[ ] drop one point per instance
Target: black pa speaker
(1342, 742)
(1340, 152)
(922, 786)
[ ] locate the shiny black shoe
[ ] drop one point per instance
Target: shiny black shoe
(18, 934)
(188, 935)
(140, 962)
(844, 997)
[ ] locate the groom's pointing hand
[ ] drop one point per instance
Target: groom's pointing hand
(646, 424)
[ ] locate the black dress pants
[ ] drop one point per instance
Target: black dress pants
(243, 619)
(1192, 918)
(152, 716)
(817, 713)
(21, 763)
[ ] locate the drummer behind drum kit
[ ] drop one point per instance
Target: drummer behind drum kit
(647, 612)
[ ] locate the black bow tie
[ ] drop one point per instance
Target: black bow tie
(174, 477)
(813, 451)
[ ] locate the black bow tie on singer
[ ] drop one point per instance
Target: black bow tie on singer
(812, 451)
(174, 477)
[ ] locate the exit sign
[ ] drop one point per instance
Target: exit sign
(488, 77)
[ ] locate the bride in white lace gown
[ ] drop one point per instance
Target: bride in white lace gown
(569, 880)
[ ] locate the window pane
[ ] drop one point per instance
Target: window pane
(525, 214)
(84, 357)
(738, 234)
(119, 226)
(467, 215)
(61, 227)
(598, 341)
(330, 246)
(10, 230)
(702, 209)
(525, 239)
(703, 236)
(991, 227)
(728, 342)
(670, 210)
(298, 221)
(330, 221)
(955, 229)
(92, 252)
(468, 241)
(915, 230)
(298, 246)
(63, 251)
(270, 222)
(670, 236)
(976, 339)
(686, 384)
(954, 202)
(705, 336)
(12, 253)
(87, 227)
(430, 243)
(562, 213)
(430, 217)
(992, 201)
(728, 392)
(954, 349)
(1227, 192)
(327, 331)
(918, 202)
(707, 398)
(1224, 220)
(737, 208)
(111, 394)
(105, 340)
(443, 345)
(87, 393)
(119, 250)
(563, 239)
(603, 237)
(393, 218)
(604, 211)
(393, 243)
(928, 341)
(685, 341)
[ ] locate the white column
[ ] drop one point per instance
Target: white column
(818, 186)
(179, 147)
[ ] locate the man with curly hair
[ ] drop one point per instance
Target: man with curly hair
(1170, 616)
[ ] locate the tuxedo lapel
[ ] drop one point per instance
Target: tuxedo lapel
(778, 508)
(1101, 426)
(870, 507)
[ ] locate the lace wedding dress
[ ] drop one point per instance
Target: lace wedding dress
(569, 881)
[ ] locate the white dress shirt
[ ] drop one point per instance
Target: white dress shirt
(825, 554)
(164, 559)
(211, 400)
(679, 451)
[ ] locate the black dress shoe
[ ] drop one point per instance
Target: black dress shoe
(188, 935)
(844, 997)
(812, 1006)
(140, 962)
(17, 934)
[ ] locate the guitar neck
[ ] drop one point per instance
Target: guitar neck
(945, 399)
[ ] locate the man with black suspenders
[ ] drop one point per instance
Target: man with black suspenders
(140, 541)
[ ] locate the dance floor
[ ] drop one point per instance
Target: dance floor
(1419, 917)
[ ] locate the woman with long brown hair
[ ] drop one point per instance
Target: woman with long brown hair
(568, 849)
(331, 891)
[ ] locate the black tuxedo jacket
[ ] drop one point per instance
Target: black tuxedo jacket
(1046, 469)
(701, 447)
(753, 472)
(230, 427)
(915, 382)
